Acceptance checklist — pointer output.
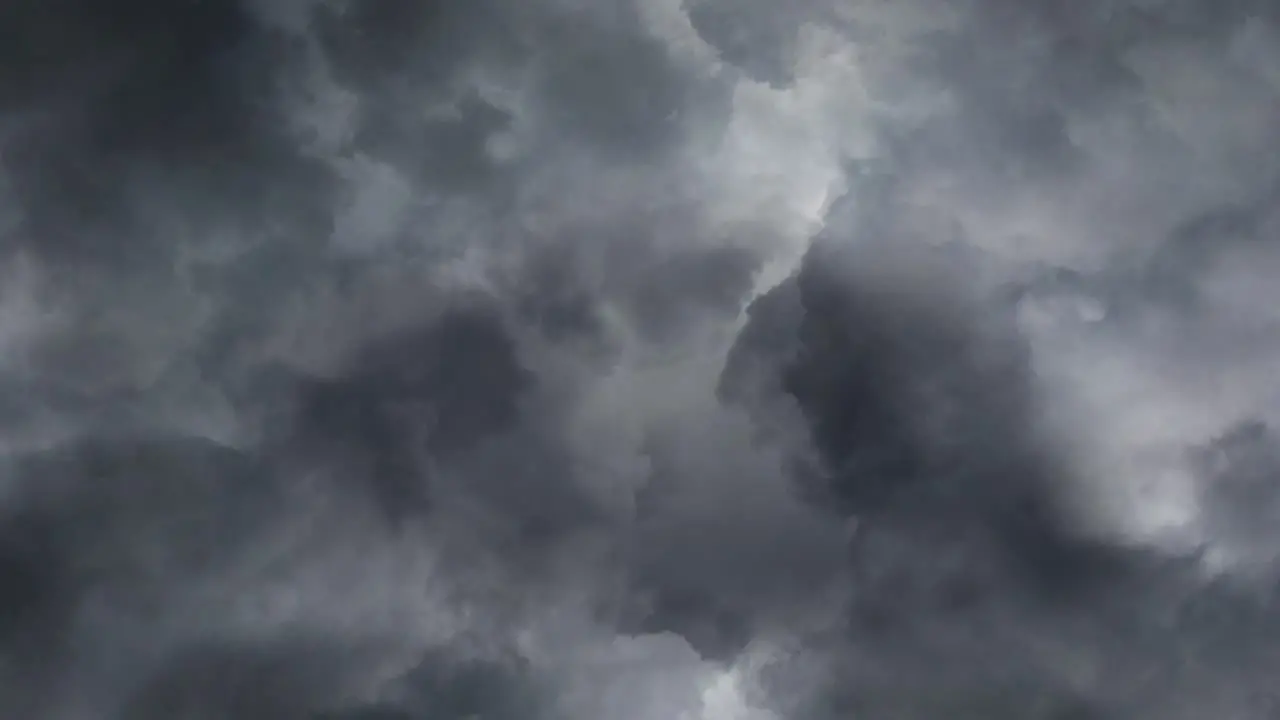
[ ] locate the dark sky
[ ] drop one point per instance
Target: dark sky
(639, 359)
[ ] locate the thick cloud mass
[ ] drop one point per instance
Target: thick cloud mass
(639, 359)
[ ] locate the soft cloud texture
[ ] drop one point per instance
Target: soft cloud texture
(638, 359)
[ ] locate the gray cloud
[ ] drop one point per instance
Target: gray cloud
(637, 359)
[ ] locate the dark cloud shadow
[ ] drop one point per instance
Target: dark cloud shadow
(420, 397)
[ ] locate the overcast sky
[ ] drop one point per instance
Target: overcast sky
(639, 359)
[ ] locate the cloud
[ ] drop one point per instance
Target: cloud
(637, 360)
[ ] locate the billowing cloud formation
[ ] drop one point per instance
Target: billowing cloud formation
(638, 359)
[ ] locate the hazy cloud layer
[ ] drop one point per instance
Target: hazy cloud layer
(639, 359)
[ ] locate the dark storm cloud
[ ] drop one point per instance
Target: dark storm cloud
(118, 521)
(118, 99)
(759, 38)
(432, 359)
(432, 393)
(1241, 487)
(939, 584)
(924, 430)
(311, 679)
(913, 411)
(401, 58)
(247, 682)
(37, 599)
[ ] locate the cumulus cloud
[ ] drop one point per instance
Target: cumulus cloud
(696, 360)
